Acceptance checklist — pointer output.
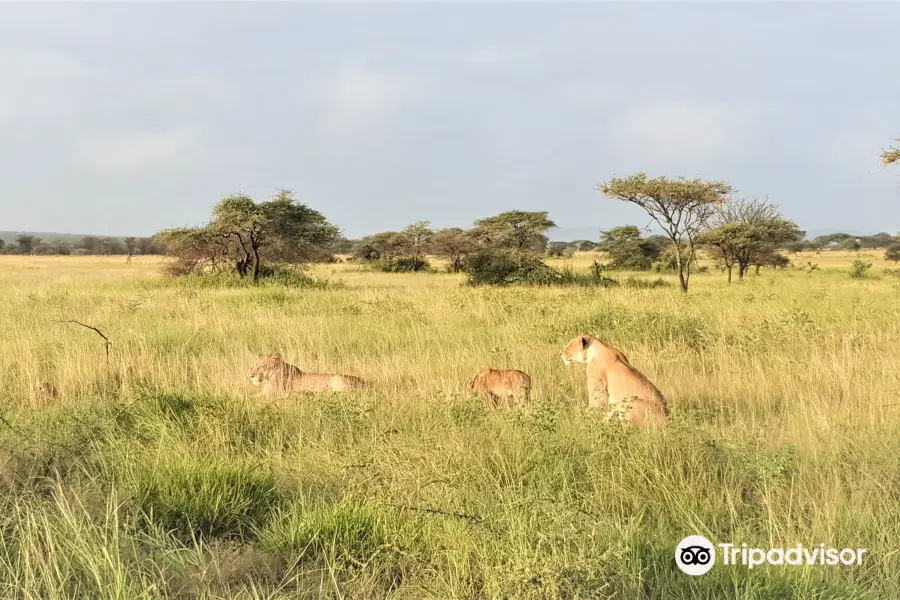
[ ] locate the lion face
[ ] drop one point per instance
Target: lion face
(265, 365)
(576, 350)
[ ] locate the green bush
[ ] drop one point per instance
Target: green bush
(509, 267)
(402, 265)
(859, 268)
(512, 267)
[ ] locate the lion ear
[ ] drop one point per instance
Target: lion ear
(585, 342)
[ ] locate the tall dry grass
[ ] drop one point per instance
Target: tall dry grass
(161, 474)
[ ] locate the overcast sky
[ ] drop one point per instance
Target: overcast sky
(121, 119)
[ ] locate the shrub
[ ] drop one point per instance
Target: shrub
(512, 267)
(508, 267)
(892, 253)
(859, 268)
(404, 264)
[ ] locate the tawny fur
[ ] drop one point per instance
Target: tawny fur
(501, 384)
(613, 383)
(279, 377)
(46, 391)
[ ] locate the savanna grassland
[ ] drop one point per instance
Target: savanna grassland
(161, 474)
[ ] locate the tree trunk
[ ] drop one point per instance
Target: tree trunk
(255, 263)
(757, 269)
(729, 274)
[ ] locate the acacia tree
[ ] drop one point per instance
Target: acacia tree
(627, 248)
(27, 243)
(243, 234)
(681, 207)
(130, 245)
(387, 244)
(515, 230)
(454, 244)
(417, 237)
(748, 232)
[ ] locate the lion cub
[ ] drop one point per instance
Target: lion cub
(497, 384)
(278, 377)
(46, 391)
(613, 382)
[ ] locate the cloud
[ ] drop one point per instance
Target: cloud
(682, 132)
(141, 150)
(357, 98)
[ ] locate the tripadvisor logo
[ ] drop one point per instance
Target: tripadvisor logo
(696, 555)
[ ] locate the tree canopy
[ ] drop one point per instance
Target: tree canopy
(244, 234)
(515, 230)
(628, 249)
(454, 244)
(681, 207)
(748, 232)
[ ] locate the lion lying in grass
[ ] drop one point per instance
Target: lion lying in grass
(497, 384)
(612, 382)
(279, 377)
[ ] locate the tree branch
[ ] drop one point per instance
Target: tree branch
(106, 341)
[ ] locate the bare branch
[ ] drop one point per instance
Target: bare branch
(106, 341)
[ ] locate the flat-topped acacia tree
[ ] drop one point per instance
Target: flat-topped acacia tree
(681, 207)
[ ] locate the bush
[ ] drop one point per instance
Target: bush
(892, 253)
(859, 268)
(508, 267)
(402, 265)
(512, 267)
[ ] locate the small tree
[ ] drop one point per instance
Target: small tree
(90, 243)
(27, 243)
(147, 246)
(893, 253)
(387, 244)
(243, 234)
(417, 237)
(849, 245)
(770, 258)
(453, 244)
(745, 229)
(725, 242)
(515, 230)
(627, 249)
(130, 245)
(681, 207)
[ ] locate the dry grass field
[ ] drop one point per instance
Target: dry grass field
(160, 473)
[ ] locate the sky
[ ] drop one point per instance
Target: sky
(124, 119)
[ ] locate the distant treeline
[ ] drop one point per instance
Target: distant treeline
(88, 245)
(832, 241)
(98, 245)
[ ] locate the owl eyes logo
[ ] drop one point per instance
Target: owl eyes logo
(695, 555)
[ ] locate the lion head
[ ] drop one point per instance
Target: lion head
(576, 350)
(264, 367)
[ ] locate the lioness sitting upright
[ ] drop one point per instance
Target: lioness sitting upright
(613, 382)
(279, 377)
(503, 384)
